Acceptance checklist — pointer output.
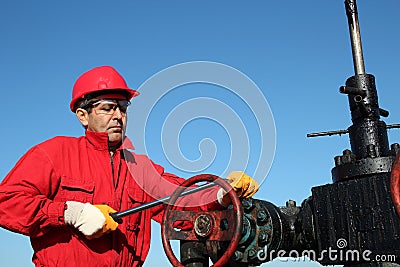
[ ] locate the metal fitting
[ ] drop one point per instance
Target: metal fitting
(252, 254)
(238, 256)
(247, 204)
(203, 225)
(263, 237)
(262, 216)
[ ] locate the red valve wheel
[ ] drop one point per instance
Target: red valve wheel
(210, 222)
(395, 183)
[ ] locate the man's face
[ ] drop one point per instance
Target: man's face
(107, 115)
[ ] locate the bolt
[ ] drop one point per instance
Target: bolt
(394, 148)
(290, 204)
(262, 216)
(245, 226)
(203, 225)
(247, 204)
(338, 160)
(371, 150)
(252, 253)
(347, 156)
(238, 256)
(346, 152)
(263, 237)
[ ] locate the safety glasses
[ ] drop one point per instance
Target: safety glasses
(109, 106)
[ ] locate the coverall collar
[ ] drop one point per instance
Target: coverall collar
(100, 141)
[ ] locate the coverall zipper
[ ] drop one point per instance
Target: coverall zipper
(112, 169)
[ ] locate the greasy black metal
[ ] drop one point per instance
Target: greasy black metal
(193, 254)
(356, 213)
(359, 211)
(266, 228)
(370, 153)
(293, 239)
(384, 113)
(367, 128)
(352, 91)
(361, 168)
(304, 228)
(224, 225)
(361, 105)
(118, 215)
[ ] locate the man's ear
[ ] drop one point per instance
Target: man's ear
(83, 116)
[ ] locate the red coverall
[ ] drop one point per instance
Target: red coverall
(33, 194)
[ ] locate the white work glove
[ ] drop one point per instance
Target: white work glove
(84, 216)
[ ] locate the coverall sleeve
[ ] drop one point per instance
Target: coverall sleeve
(202, 200)
(25, 196)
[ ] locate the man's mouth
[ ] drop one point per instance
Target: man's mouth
(116, 128)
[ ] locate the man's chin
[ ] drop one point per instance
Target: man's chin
(115, 138)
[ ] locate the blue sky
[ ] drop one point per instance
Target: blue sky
(297, 52)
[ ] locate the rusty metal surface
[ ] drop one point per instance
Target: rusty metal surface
(217, 218)
(167, 231)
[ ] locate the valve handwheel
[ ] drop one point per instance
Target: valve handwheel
(208, 225)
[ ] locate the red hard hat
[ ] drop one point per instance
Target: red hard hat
(99, 79)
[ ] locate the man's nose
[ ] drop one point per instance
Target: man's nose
(117, 113)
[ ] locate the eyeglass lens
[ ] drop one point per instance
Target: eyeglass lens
(110, 106)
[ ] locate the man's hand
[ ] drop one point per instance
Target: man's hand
(244, 186)
(109, 225)
(91, 220)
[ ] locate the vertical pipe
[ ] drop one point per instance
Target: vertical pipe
(355, 36)
(193, 254)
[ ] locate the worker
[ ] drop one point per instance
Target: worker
(61, 192)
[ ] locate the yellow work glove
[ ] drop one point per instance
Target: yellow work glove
(244, 186)
(109, 225)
